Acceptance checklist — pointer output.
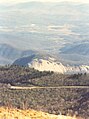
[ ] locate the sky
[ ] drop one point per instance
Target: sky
(17, 1)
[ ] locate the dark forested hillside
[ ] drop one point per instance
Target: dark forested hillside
(18, 75)
(15, 75)
(53, 100)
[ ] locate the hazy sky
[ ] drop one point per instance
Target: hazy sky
(17, 1)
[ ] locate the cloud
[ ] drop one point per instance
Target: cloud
(5, 29)
(24, 28)
(66, 29)
(69, 26)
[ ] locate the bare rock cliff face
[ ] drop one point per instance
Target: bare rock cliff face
(52, 65)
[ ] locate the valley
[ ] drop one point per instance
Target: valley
(31, 26)
(44, 59)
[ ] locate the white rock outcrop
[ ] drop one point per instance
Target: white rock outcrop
(51, 64)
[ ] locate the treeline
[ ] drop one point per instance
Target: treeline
(25, 76)
(15, 74)
(62, 80)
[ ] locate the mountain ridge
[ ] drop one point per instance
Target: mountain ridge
(9, 53)
(41, 63)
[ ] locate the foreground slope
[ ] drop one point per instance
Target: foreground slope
(51, 100)
(6, 113)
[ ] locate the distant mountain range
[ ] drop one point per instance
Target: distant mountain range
(77, 53)
(80, 49)
(8, 54)
(60, 29)
(44, 62)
